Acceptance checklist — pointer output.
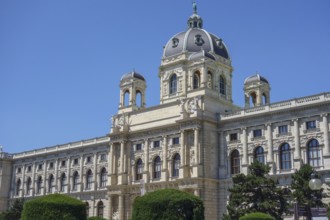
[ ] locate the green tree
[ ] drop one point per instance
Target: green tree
(54, 207)
(14, 212)
(168, 204)
(255, 192)
(301, 191)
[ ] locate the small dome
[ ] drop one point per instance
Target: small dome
(255, 78)
(195, 39)
(132, 75)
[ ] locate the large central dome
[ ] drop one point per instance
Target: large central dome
(195, 39)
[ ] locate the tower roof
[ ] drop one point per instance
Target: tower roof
(195, 39)
(255, 78)
(132, 75)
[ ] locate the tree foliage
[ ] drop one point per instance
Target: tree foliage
(255, 192)
(14, 212)
(301, 191)
(256, 216)
(54, 207)
(168, 204)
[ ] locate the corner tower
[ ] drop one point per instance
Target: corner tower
(132, 92)
(195, 62)
(256, 91)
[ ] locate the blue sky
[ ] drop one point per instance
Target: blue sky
(61, 61)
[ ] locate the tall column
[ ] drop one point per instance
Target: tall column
(197, 146)
(183, 150)
(95, 171)
(81, 173)
(269, 137)
(34, 167)
(55, 176)
(110, 162)
(122, 152)
(182, 172)
(326, 150)
(44, 179)
(146, 160)
(121, 210)
(297, 153)
(245, 147)
(122, 172)
(165, 165)
(68, 178)
(222, 156)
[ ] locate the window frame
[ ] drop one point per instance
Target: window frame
(313, 153)
(257, 133)
(259, 154)
(139, 170)
(173, 87)
(176, 165)
(157, 165)
(285, 157)
(235, 162)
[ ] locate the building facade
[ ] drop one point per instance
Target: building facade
(194, 140)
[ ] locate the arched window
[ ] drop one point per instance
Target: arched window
(39, 185)
(222, 85)
(264, 99)
(126, 98)
(196, 81)
(87, 209)
(253, 99)
(62, 182)
(89, 179)
(235, 162)
(138, 99)
(50, 183)
(100, 208)
(313, 153)
(103, 177)
(18, 187)
(139, 170)
(75, 181)
(285, 156)
(157, 168)
(176, 165)
(209, 80)
(28, 186)
(173, 84)
(259, 155)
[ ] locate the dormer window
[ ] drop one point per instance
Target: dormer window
(175, 42)
(199, 40)
(219, 43)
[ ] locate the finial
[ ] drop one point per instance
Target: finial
(194, 7)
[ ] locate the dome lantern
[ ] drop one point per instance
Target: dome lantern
(195, 21)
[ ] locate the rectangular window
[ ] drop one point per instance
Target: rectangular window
(19, 170)
(283, 129)
(29, 168)
(175, 140)
(63, 163)
(233, 137)
(51, 165)
(138, 146)
(310, 124)
(75, 161)
(156, 144)
(257, 133)
(89, 159)
(40, 167)
(103, 157)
